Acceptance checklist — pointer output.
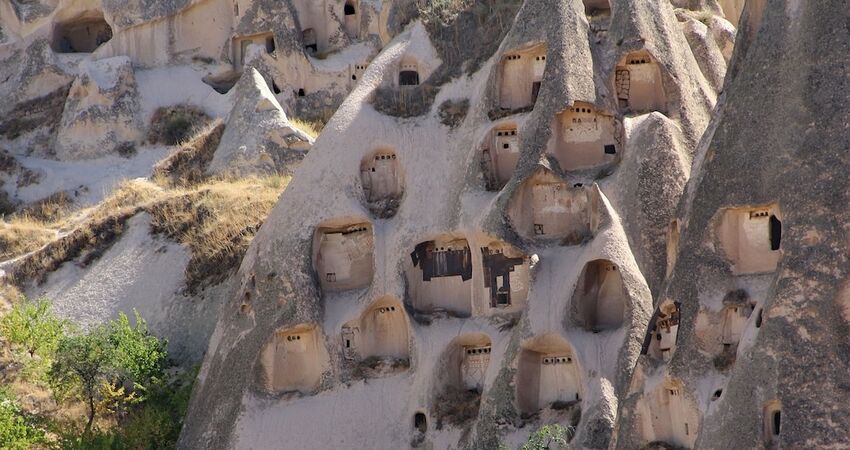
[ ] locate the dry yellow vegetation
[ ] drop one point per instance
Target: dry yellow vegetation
(22, 235)
(215, 219)
(312, 128)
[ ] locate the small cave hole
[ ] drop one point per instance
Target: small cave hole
(717, 394)
(420, 422)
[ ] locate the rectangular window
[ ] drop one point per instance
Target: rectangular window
(538, 229)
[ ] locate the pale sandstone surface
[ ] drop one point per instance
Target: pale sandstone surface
(604, 236)
(285, 306)
(761, 267)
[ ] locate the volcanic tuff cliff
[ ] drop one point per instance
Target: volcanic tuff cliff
(584, 212)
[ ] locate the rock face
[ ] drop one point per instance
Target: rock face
(101, 111)
(753, 313)
(620, 216)
(310, 53)
(510, 285)
(258, 139)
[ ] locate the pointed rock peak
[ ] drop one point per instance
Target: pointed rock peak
(252, 89)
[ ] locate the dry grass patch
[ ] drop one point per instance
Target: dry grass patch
(312, 127)
(175, 124)
(188, 165)
(216, 220)
(22, 235)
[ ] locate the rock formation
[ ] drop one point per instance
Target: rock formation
(619, 216)
(258, 139)
(101, 111)
(510, 281)
(751, 312)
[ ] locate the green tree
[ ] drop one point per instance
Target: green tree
(549, 437)
(17, 432)
(33, 332)
(139, 356)
(95, 366)
(156, 423)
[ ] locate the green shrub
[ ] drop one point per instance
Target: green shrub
(17, 431)
(94, 367)
(33, 332)
(156, 423)
(72, 439)
(549, 437)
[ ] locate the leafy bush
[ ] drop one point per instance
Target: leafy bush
(549, 437)
(156, 423)
(33, 332)
(72, 439)
(17, 432)
(94, 367)
(138, 355)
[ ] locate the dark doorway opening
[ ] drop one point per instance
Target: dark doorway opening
(775, 233)
(408, 78)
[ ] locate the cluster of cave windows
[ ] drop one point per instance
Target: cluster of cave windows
(381, 331)
(751, 238)
(600, 297)
(663, 331)
(734, 320)
(323, 22)
(439, 276)
(448, 260)
(83, 34)
(293, 360)
(520, 77)
(639, 84)
(343, 256)
(359, 69)
(584, 137)
(463, 366)
(498, 268)
(381, 177)
(547, 375)
(499, 155)
(242, 43)
(546, 207)
(672, 416)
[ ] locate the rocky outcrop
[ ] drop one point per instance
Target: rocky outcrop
(757, 293)
(506, 187)
(101, 112)
(258, 139)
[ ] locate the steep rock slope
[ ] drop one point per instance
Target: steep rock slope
(747, 347)
(84, 80)
(458, 283)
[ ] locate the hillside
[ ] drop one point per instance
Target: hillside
(444, 224)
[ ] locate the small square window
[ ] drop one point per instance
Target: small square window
(610, 149)
(331, 277)
(538, 229)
